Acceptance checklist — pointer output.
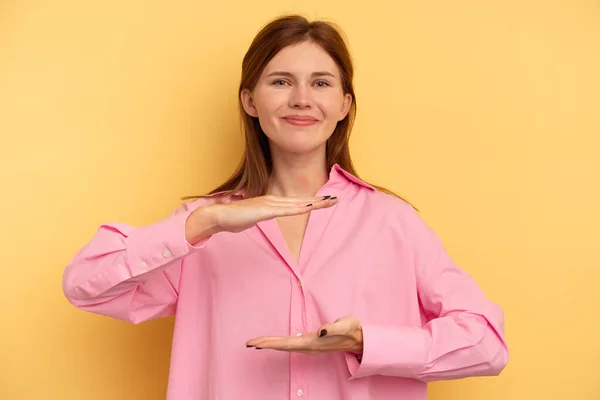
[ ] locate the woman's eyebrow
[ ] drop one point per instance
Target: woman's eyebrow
(290, 75)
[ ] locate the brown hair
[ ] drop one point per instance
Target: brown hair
(252, 174)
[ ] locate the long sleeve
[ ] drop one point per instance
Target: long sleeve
(463, 334)
(131, 273)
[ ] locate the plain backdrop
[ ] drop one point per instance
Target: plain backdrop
(483, 114)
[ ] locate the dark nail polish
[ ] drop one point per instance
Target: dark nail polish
(326, 197)
(258, 348)
(249, 345)
(323, 332)
(308, 205)
(333, 198)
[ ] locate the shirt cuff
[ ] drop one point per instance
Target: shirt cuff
(160, 243)
(390, 351)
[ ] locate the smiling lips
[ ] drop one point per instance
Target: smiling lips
(300, 120)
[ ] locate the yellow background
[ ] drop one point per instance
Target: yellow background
(483, 114)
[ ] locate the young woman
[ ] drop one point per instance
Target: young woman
(295, 279)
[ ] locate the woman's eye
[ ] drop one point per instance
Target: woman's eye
(280, 82)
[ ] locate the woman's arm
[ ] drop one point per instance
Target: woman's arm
(465, 332)
(132, 273)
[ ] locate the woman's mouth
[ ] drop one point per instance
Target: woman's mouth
(300, 120)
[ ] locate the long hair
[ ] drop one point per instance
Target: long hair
(254, 169)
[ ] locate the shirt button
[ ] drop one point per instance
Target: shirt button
(143, 265)
(299, 392)
(166, 253)
(299, 283)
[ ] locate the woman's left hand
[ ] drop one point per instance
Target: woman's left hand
(344, 334)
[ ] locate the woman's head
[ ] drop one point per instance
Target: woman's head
(296, 96)
(298, 99)
(297, 68)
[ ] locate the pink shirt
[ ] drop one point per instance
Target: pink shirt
(370, 256)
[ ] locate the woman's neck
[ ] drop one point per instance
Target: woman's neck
(298, 176)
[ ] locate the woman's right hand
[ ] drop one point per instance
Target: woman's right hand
(242, 214)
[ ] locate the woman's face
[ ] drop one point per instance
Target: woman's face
(298, 99)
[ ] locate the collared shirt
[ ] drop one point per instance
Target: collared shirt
(370, 256)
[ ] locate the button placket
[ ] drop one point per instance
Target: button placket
(298, 363)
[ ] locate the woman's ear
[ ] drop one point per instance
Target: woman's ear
(248, 103)
(346, 106)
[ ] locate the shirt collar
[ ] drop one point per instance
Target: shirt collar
(338, 175)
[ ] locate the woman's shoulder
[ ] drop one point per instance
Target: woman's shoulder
(406, 220)
(391, 203)
(396, 210)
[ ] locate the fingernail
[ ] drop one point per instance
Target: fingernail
(249, 345)
(308, 205)
(323, 332)
(258, 348)
(326, 197)
(333, 198)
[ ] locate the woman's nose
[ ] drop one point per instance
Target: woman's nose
(300, 97)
